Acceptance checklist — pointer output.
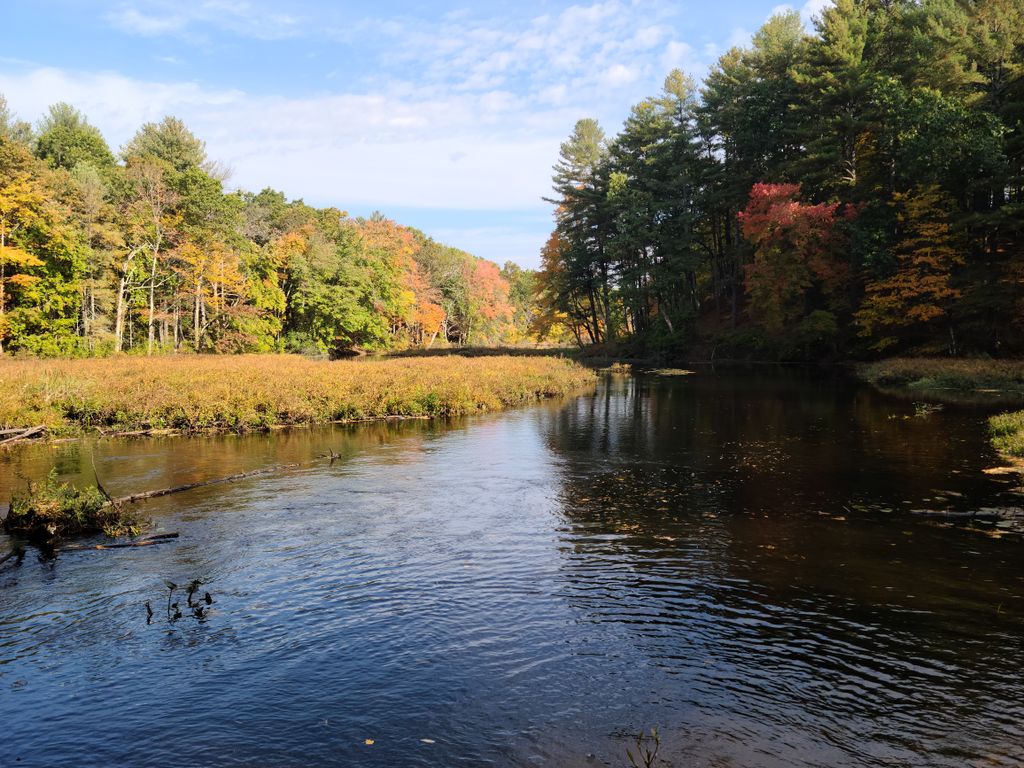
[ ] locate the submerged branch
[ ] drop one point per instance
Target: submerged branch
(132, 498)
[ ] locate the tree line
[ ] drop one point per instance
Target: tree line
(854, 190)
(145, 251)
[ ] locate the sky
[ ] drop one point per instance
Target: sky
(445, 116)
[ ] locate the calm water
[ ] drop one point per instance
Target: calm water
(726, 556)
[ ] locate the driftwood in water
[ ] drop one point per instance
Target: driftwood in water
(147, 541)
(22, 434)
(202, 483)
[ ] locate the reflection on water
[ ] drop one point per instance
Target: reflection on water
(727, 557)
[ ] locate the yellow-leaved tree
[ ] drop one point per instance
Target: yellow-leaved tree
(20, 202)
(918, 293)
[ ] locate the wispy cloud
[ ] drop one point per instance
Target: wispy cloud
(373, 149)
(166, 17)
(608, 43)
(460, 112)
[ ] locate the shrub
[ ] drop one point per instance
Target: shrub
(53, 510)
(1007, 430)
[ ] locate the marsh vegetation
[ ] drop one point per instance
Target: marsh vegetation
(253, 392)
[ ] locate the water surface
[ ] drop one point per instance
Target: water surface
(727, 556)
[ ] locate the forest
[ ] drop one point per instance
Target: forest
(146, 252)
(855, 191)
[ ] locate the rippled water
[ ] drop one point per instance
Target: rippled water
(725, 556)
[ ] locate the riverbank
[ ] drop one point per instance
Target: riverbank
(255, 392)
(943, 373)
(987, 381)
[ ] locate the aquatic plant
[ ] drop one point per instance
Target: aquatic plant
(255, 392)
(646, 750)
(53, 510)
(197, 607)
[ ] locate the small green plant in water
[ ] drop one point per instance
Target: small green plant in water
(646, 750)
(53, 510)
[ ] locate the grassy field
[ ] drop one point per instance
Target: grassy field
(945, 373)
(249, 392)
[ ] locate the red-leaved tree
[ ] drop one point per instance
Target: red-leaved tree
(797, 253)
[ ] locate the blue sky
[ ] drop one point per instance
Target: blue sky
(445, 116)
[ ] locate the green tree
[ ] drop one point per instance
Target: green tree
(169, 141)
(584, 221)
(13, 129)
(65, 139)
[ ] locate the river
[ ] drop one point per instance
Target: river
(727, 556)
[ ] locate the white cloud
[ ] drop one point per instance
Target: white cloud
(811, 11)
(620, 74)
(133, 20)
(377, 149)
(679, 55)
(606, 45)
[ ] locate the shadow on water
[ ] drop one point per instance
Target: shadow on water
(746, 534)
(725, 556)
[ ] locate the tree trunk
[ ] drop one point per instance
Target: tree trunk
(196, 332)
(122, 288)
(152, 306)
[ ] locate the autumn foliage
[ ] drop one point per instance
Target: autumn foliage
(918, 292)
(796, 252)
(153, 255)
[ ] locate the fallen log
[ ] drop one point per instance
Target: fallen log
(131, 499)
(147, 541)
(24, 434)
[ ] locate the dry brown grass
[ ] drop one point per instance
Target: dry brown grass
(247, 392)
